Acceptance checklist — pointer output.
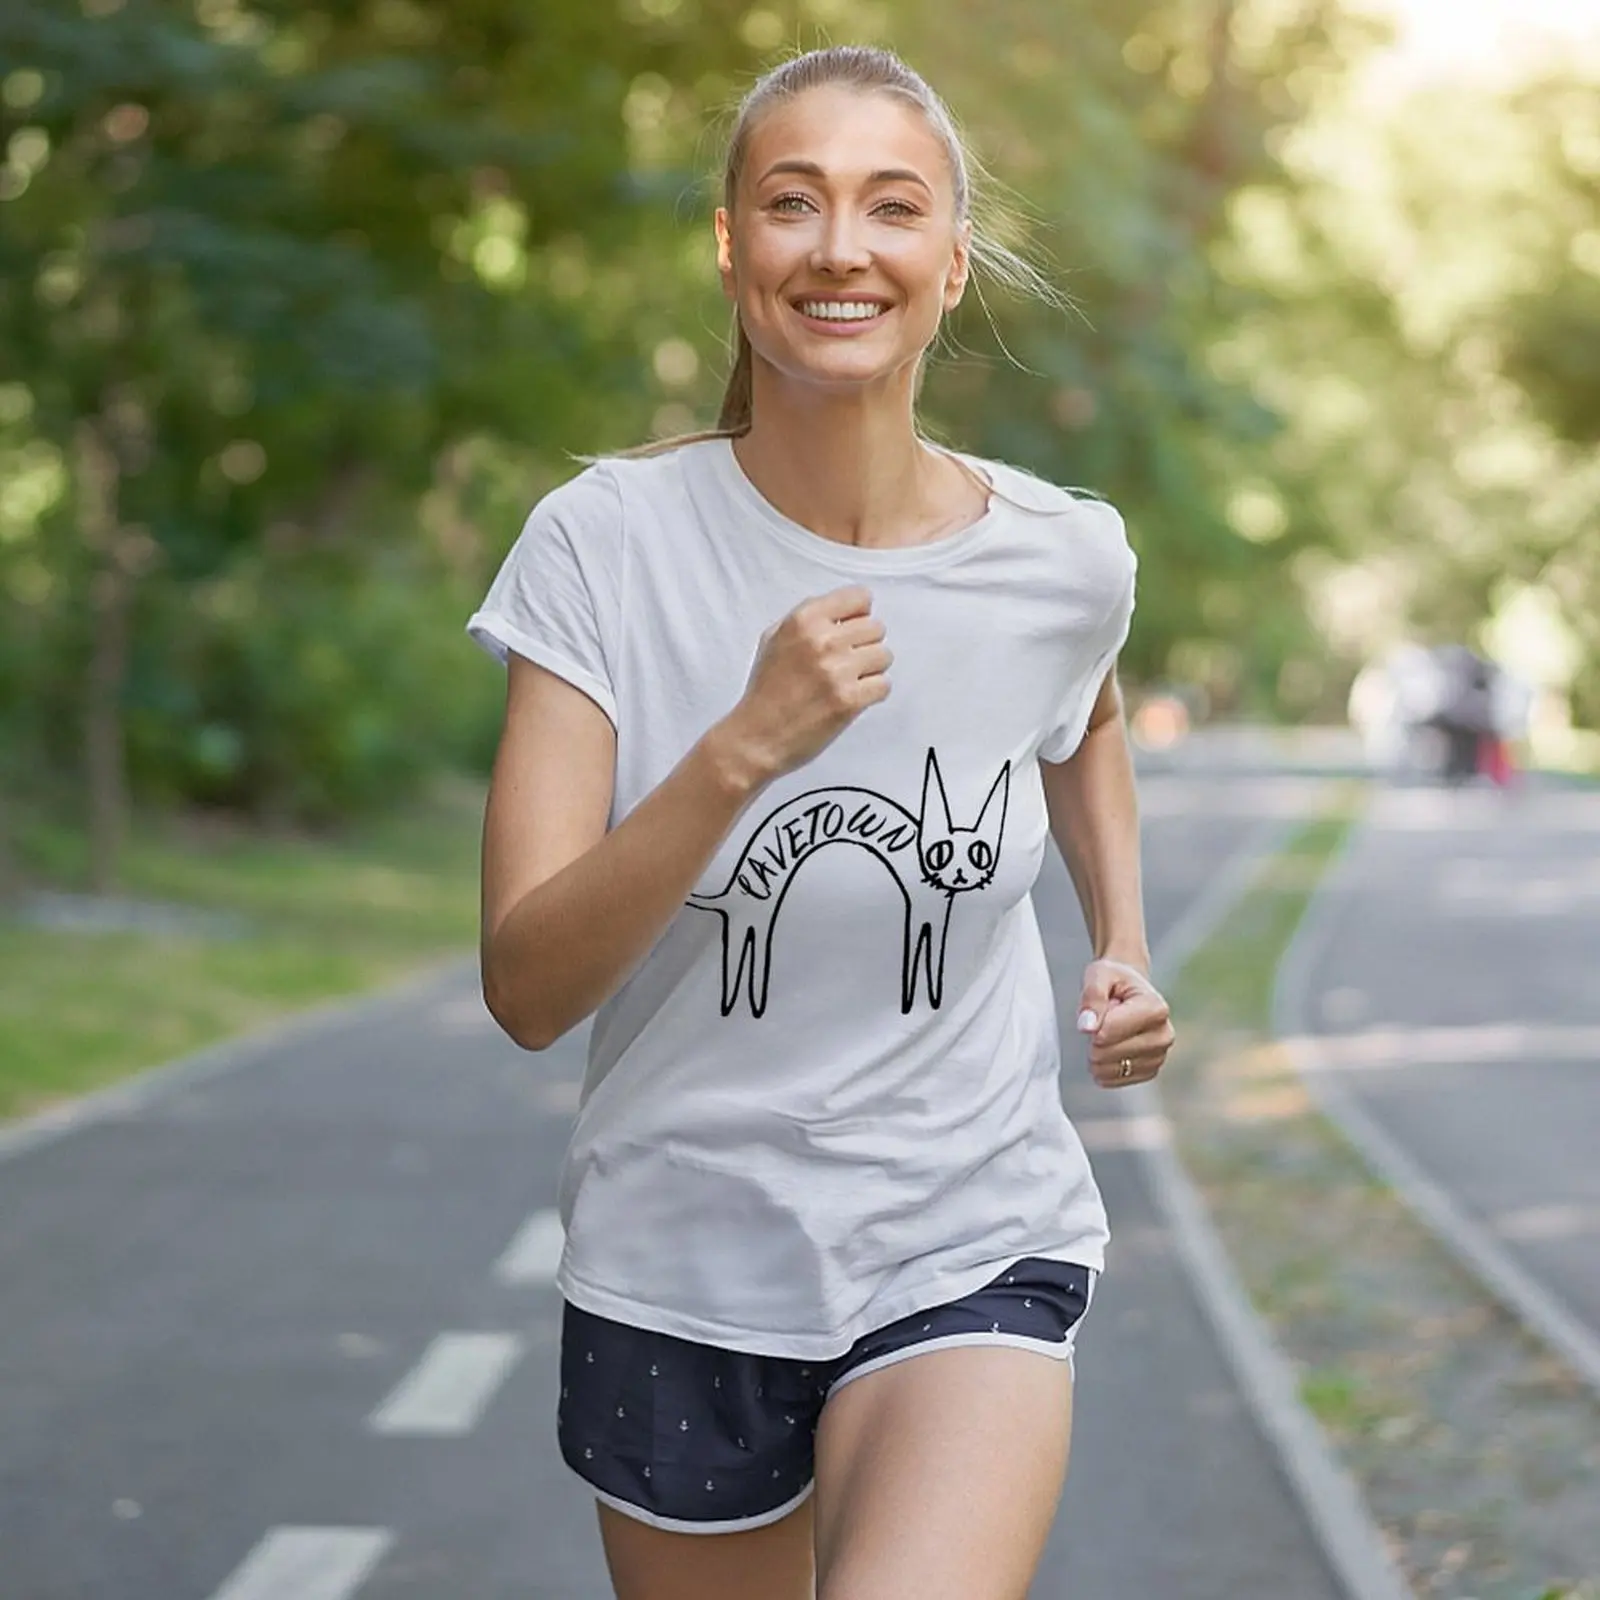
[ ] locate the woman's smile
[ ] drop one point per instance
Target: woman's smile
(836, 317)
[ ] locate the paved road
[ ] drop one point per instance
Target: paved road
(288, 1332)
(1455, 995)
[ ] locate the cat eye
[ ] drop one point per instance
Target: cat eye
(980, 855)
(939, 854)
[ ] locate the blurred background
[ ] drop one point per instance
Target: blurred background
(304, 305)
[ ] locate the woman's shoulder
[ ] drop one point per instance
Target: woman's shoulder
(595, 501)
(1084, 509)
(611, 488)
(587, 497)
(652, 466)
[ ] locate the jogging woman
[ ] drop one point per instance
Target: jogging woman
(792, 709)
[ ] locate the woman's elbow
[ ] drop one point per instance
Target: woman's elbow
(519, 1020)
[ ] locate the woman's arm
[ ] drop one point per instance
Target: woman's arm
(1094, 819)
(570, 909)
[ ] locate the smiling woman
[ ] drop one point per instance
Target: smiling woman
(828, 1230)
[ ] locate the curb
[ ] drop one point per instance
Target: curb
(131, 1095)
(1542, 1313)
(1340, 1520)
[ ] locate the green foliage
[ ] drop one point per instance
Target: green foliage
(282, 260)
(337, 292)
(1431, 336)
(1555, 353)
(311, 690)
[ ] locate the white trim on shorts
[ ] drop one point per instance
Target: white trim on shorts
(1062, 1351)
(679, 1525)
(952, 1341)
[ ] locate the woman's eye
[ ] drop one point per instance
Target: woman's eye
(895, 209)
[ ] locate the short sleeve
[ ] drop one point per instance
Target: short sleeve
(557, 598)
(1099, 648)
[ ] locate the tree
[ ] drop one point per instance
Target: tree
(266, 266)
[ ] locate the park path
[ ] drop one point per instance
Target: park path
(1447, 994)
(287, 1331)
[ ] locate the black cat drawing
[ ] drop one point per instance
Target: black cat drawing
(929, 858)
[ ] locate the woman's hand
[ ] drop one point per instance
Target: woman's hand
(1130, 1024)
(816, 671)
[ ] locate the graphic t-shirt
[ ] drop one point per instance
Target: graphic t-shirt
(829, 1096)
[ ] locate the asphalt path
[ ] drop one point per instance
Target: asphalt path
(287, 1329)
(1453, 994)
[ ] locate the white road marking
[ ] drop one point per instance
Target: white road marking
(535, 1253)
(448, 1389)
(1126, 1132)
(1547, 1222)
(560, 1096)
(1525, 1045)
(307, 1564)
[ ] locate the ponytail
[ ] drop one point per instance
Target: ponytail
(738, 397)
(733, 421)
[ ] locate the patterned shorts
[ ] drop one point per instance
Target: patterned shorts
(699, 1439)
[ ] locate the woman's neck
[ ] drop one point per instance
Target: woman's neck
(852, 469)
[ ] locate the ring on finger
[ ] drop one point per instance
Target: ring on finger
(1126, 1064)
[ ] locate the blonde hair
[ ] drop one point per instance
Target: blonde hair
(870, 71)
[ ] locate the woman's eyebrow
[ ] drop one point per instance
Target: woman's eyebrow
(810, 169)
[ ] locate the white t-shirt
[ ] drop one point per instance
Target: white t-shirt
(829, 1096)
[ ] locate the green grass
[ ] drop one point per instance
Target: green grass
(1231, 977)
(322, 918)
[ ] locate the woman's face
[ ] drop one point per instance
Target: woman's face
(842, 250)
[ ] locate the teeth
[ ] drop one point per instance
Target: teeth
(841, 310)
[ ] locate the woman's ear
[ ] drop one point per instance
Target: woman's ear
(960, 266)
(724, 229)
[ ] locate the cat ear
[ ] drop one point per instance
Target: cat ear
(931, 779)
(984, 824)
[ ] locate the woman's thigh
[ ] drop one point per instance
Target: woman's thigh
(769, 1563)
(939, 1476)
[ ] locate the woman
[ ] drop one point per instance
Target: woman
(821, 1129)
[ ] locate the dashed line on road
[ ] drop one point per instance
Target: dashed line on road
(307, 1564)
(1127, 1131)
(1402, 1045)
(450, 1387)
(459, 1015)
(535, 1253)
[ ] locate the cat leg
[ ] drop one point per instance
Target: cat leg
(927, 921)
(936, 955)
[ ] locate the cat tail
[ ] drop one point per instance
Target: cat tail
(746, 947)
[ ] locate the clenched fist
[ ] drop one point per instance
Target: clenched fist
(1130, 1024)
(816, 671)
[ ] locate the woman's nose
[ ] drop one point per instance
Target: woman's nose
(840, 245)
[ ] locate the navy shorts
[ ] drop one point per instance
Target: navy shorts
(699, 1439)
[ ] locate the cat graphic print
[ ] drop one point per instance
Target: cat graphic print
(930, 861)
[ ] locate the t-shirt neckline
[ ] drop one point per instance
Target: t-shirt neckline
(850, 557)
